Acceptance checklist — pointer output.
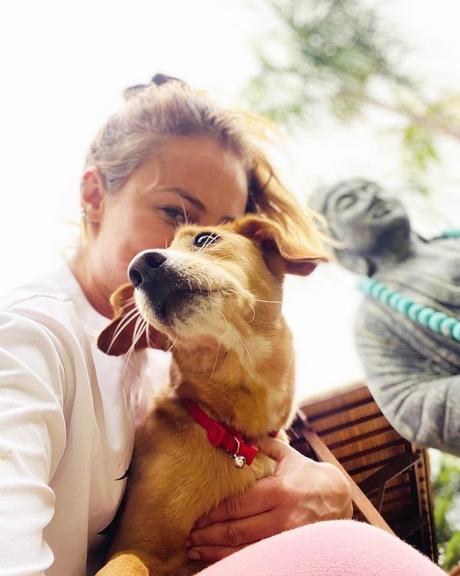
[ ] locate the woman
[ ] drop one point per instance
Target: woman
(68, 411)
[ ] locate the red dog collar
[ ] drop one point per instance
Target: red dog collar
(222, 436)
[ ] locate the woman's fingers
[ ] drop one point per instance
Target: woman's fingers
(213, 554)
(275, 448)
(220, 539)
(257, 499)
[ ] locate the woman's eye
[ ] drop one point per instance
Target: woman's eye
(204, 239)
(177, 215)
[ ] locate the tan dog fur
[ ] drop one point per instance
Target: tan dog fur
(234, 352)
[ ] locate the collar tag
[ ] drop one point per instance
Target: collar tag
(222, 436)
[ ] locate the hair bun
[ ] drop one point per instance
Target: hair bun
(160, 79)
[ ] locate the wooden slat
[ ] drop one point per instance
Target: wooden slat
(387, 472)
(355, 434)
(363, 451)
(328, 400)
(332, 410)
(372, 440)
(359, 498)
(371, 434)
(343, 420)
(386, 456)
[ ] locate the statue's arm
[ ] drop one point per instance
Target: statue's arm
(419, 399)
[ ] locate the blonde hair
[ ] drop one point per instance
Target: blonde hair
(170, 108)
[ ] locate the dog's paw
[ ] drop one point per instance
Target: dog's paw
(282, 435)
(125, 564)
(263, 466)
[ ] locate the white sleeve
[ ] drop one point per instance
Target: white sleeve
(32, 441)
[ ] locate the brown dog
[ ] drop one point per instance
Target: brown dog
(215, 297)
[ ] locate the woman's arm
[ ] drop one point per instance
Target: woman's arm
(32, 441)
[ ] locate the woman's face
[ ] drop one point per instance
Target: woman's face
(191, 179)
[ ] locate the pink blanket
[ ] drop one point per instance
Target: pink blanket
(334, 548)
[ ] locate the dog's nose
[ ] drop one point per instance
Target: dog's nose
(144, 266)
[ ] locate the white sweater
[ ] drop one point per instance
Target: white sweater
(66, 428)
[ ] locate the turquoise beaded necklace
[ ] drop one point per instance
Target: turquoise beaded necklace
(433, 319)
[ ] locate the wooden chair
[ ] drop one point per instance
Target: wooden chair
(389, 476)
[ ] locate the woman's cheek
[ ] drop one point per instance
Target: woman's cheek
(150, 237)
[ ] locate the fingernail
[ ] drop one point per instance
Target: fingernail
(188, 544)
(192, 555)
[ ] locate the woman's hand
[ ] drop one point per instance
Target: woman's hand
(300, 492)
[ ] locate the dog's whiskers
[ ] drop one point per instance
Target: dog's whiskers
(173, 343)
(225, 319)
(253, 310)
(199, 275)
(140, 327)
(245, 298)
(215, 364)
(199, 280)
(189, 282)
(147, 335)
(243, 343)
(123, 324)
(185, 214)
(137, 334)
(132, 347)
(206, 244)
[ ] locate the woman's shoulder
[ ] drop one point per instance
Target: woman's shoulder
(44, 301)
(54, 301)
(42, 325)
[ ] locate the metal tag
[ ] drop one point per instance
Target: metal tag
(239, 461)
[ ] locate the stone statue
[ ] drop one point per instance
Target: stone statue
(408, 326)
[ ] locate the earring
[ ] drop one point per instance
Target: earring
(84, 215)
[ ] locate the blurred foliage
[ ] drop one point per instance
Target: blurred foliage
(446, 488)
(419, 152)
(337, 55)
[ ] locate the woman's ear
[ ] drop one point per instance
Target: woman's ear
(278, 246)
(119, 335)
(92, 193)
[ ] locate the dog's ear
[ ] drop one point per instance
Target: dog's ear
(118, 337)
(279, 247)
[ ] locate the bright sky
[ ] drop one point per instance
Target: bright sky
(64, 65)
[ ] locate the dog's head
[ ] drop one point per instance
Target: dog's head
(213, 284)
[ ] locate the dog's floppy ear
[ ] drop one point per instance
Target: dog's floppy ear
(278, 246)
(118, 337)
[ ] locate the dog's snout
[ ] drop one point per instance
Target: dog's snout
(142, 267)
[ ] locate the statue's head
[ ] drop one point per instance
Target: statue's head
(365, 219)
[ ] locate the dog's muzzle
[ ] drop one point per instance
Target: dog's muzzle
(165, 288)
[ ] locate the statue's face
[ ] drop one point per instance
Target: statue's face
(363, 215)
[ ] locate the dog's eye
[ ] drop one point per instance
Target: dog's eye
(204, 239)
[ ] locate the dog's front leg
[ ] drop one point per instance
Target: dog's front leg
(263, 466)
(129, 563)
